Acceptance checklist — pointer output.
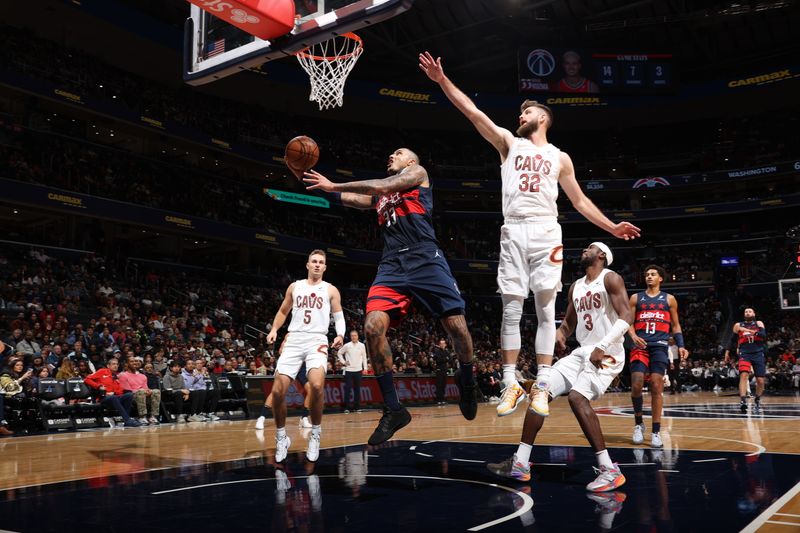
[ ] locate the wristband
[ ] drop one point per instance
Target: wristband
(678, 339)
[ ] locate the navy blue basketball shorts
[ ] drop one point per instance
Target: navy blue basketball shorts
(753, 363)
(653, 359)
(420, 272)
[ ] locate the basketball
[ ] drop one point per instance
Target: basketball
(302, 153)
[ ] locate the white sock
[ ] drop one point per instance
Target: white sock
(543, 374)
(603, 459)
(280, 433)
(523, 454)
(509, 374)
(316, 429)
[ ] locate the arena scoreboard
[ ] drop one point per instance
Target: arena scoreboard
(576, 71)
(651, 72)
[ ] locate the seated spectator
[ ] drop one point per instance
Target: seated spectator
(196, 384)
(175, 388)
(147, 401)
(77, 355)
(67, 370)
(42, 373)
(106, 383)
(14, 378)
(153, 377)
(159, 363)
(213, 393)
(28, 345)
(254, 370)
(83, 368)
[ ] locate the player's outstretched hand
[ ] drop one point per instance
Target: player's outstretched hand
(315, 180)
(431, 67)
(683, 353)
(337, 342)
(272, 337)
(626, 230)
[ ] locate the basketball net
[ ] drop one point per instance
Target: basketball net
(328, 64)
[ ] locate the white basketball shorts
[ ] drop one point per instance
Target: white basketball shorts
(299, 348)
(530, 256)
(575, 372)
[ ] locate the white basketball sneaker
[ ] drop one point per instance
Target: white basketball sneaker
(260, 422)
(305, 422)
(655, 441)
(312, 453)
(638, 434)
(282, 448)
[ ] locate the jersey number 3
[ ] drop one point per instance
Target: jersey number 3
(588, 324)
(529, 182)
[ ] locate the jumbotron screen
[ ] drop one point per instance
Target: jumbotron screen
(578, 71)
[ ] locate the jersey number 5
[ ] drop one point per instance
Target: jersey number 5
(529, 182)
(307, 316)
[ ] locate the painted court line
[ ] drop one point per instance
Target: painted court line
(467, 460)
(788, 514)
(795, 524)
(709, 460)
(526, 506)
(772, 509)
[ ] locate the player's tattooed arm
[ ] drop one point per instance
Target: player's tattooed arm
(409, 177)
(357, 201)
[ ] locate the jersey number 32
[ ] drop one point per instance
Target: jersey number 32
(529, 182)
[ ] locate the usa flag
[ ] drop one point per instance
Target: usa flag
(217, 47)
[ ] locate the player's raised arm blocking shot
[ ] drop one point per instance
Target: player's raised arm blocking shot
(530, 260)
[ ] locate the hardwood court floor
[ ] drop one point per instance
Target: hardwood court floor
(696, 421)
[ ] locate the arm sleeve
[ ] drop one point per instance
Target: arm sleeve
(338, 322)
(619, 329)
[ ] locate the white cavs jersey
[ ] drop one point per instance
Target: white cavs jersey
(311, 308)
(530, 180)
(596, 314)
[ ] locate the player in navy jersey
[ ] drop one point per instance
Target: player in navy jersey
(752, 336)
(656, 315)
(412, 267)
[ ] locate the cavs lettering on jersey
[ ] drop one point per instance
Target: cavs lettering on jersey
(653, 318)
(751, 337)
(530, 179)
(595, 313)
(405, 218)
(311, 308)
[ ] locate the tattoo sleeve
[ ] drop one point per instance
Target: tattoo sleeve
(399, 182)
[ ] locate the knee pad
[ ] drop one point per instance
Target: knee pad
(510, 338)
(546, 316)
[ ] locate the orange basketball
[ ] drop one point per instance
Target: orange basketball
(302, 153)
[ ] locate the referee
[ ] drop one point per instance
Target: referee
(353, 357)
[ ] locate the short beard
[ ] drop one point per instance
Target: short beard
(528, 129)
(586, 262)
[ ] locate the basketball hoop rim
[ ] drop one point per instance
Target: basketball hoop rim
(349, 35)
